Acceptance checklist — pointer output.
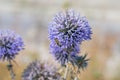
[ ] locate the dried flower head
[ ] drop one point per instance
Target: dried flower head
(10, 44)
(40, 71)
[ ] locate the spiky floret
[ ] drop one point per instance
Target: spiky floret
(10, 44)
(81, 62)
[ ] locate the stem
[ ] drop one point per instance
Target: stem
(75, 78)
(66, 72)
(10, 69)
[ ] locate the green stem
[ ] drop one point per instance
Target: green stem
(10, 69)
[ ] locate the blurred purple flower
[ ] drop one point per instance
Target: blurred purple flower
(66, 33)
(10, 44)
(40, 71)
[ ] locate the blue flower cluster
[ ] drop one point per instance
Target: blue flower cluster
(66, 32)
(10, 44)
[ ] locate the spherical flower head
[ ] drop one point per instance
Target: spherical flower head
(67, 30)
(10, 44)
(40, 71)
(69, 27)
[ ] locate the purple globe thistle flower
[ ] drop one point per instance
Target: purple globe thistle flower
(40, 71)
(10, 44)
(69, 27)
(66, 32)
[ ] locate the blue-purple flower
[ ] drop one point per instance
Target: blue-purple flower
(10, 44)
(69, 27)
(66, 32)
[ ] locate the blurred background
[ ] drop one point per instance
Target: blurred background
(30, 19)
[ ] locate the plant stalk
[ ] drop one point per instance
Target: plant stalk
(10, 69)
(66, 72)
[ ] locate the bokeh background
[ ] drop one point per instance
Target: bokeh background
(30, 18)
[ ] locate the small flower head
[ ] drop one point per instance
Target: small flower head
(40, 71)
(10, 44)
(81, 62)
(62, 54)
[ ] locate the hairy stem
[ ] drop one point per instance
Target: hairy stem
(66, 72)
(10, 69)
